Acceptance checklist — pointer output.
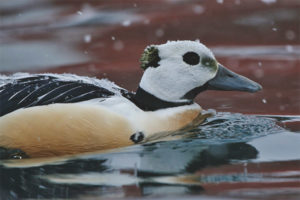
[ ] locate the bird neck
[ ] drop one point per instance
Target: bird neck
(149, 102)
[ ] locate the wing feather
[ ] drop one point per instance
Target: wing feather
(44, 89)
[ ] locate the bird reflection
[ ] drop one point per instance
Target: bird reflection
(216, 155)
(148, 169)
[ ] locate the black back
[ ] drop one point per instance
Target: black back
(39, 90)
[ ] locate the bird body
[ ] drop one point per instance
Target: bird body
(60, 129)
(50, 115)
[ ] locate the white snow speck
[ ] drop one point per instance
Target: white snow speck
(259, 73)
(289, 48)
(159, 32)
(147, 21)
(92, 68)
(198, 9)
(118, 45)
(281, 107)
(269, 1)
(278, 94)
(126, 23)
(264, 100)
(259, 64)
(220, 1)
(274, 29)
(290, 35)
(79, 12)
(237, 2)
(113, 38)
(135, 5)
(87, 38)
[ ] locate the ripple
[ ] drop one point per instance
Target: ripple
(224, 127)
(236, 126)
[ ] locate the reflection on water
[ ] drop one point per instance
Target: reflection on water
(273, 52)
(29, 55)
(229, 156)
(188, 166)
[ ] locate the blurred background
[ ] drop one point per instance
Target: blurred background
(257, 38)
(232, 156)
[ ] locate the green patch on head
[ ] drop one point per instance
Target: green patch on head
(210, 63)
(150, 57)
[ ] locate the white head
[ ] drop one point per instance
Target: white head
(177, 71)
(176, 68)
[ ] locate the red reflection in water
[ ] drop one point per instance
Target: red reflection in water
(106, 38)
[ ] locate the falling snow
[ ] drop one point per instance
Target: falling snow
(237, 2)
(278, 94)
(146, 21)
(269, 1)
(118, 45)
(159, 32)
(259, 73)
(264, 100)
(289, 48)
(290, 35)
(198, 9)
(259, 64)
(87, 38)
(126, 23)
(281, 107)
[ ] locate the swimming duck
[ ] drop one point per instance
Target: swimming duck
(51, 114)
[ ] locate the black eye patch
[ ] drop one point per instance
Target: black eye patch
(191, 58)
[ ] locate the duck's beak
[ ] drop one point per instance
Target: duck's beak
(230, 81)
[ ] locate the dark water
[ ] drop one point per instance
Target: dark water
(231, 154)
(253, 155)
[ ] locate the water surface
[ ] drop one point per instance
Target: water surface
(249, 150)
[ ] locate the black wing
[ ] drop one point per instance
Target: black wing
(45, 89)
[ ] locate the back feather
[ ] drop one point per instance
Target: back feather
(36, 90)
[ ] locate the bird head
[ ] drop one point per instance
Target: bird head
(179, 70)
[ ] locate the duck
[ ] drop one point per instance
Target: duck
(44, 115)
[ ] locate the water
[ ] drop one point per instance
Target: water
(233, 150)
(250, 149)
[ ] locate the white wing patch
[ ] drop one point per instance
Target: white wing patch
(104, 83)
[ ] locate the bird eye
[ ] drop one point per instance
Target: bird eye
(191, 58)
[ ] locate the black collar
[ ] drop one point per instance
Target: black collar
(149, 102)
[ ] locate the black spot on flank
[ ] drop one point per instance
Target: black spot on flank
(8, 153)
(137, 137)
(191, 58)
